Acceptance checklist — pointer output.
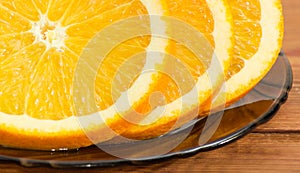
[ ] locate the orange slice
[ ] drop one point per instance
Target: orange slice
(258, 32)
(190, 84)
(258, 36)
(41, 44)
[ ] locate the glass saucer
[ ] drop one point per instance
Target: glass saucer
(257, 107)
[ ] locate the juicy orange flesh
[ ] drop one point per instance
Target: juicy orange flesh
(36, 79)
(55, 69)
(116, 73)
(247, 30)
(198, 15)
(41, 5)
(15, 71)
(12, 23)
(25, 9)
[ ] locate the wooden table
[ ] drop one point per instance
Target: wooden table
(272, 147)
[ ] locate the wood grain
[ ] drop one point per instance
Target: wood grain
(255, 153)
(291, 41)
(272, 147)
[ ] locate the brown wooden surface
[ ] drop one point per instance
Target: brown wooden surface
(272, 147)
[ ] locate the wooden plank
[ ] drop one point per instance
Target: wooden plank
(291, 13)
(288, 117)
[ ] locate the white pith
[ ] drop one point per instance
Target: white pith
(52, 38)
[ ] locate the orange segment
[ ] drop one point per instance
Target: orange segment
(106, 18)
(76, 44)
(194, 13)
(51, 79)
(27, 10)
(117, 72)
(57, 9)
(258, 37)
(12, 22)
(41, 5)
(248, 32)
(198, 15)
(86, 10)
(16, 74)
(11, 43)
